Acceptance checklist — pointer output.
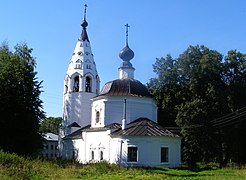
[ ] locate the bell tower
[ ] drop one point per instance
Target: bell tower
(81, 83)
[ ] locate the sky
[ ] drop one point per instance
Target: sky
(157, 28)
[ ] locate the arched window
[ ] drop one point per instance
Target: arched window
(92, 155)
(101, 155)
(76, 84)
(97, 117)
(88, 84)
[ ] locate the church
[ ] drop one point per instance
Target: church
(117, 124)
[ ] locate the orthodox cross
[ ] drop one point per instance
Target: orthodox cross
(127, 26)
(85, 11)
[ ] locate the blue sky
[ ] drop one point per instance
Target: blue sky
(157, 28)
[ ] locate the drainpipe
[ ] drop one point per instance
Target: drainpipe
(124, 116)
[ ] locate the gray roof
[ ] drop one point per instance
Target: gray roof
(74, 124)
(113, 126)
(144, 127)
(76, 134)
(125, 87)
(50, 137)
(139, 127)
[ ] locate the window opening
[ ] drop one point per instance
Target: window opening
(88, 66)
(164, 154)
(97, 117)
(76, 84)
(101, 155)
(92, 155)
(88, 84)
(78, 64)
(132, 154)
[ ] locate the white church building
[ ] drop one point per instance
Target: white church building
(117, 124)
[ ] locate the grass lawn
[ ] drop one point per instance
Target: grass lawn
(16, 167)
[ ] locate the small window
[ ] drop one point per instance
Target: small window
(47, 146)
(132, 154)
(101, 155)
(92, 155)
(78, 64)
(51, 147)
(88, 66)
(97, 117)
(164, 154)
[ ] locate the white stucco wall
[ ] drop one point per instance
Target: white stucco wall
(115, 149)
(77, 108)
(149, 151)
(50, 149)
(96, 141)
(111, 108)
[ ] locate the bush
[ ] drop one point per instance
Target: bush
(14, 166)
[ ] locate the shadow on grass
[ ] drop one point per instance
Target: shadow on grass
(181, 171)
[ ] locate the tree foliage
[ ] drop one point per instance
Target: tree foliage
(20, 105)
(195, 89)
(50, 124)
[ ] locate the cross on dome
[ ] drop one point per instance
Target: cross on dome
(127, 26)
(126, 54)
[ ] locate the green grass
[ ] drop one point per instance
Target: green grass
(16, 167)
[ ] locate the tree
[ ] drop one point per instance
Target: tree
(234, 144)
(20, 105)
(165, 88)
(194, 90)
(50, 124)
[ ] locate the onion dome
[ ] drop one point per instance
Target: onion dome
(84, 24)
(125, 87)
(126, 54)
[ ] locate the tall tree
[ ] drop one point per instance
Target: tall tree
(164, 88)
(233, 132)
(20, 105)
(200, 72)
